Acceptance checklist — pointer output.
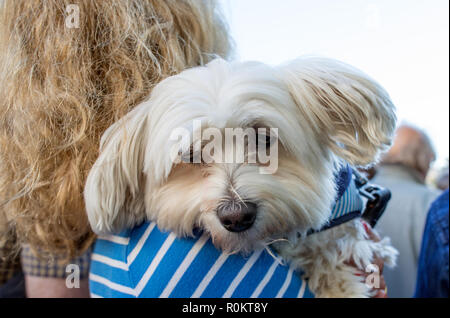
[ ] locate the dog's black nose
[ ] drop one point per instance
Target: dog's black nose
(237, 218)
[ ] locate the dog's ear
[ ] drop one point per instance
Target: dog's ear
(114, 188)
(347, 110)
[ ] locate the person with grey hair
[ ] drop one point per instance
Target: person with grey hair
(403, 171)
(442, 179)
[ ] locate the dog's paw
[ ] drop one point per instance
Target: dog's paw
(387, 252)
(341, 283)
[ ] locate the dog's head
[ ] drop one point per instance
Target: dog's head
(170, 161)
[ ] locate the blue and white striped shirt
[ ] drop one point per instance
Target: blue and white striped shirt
(148, 263)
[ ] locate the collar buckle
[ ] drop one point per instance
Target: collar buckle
(377, 198)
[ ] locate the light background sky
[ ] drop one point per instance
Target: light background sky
(403, 44)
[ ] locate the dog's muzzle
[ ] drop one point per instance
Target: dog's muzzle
(237, 217)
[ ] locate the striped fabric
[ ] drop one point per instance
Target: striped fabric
(349, 202)
(149, 263)
(146, 262)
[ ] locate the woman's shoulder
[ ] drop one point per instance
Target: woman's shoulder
(109, 271)
(147, 262)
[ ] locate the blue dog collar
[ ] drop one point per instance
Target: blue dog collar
(349, 203)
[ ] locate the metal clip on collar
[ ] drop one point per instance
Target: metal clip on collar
(377, 198)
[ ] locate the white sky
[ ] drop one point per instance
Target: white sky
(403, 44)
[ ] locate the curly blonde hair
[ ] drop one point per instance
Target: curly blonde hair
(61, 87)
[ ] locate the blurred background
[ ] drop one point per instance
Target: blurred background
(403, 44)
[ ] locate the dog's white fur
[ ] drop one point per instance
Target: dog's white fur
(325, 112)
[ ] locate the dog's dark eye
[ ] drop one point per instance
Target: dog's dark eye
(264, 141)
(194, 156)
(268, 141)
(265, 137)
(188, 156)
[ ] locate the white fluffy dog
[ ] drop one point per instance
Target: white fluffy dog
(326, 113)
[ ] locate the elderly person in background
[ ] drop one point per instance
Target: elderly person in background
(403, 170)
(442, 179)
